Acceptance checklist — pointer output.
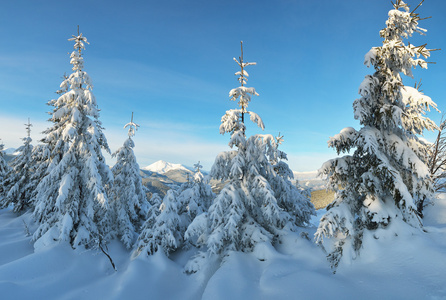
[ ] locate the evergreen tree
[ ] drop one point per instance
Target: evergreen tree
(71, 200)
(166, 226)
(196, 195)
(258, 201)
(17, 187)
(128, 198)
(163, 231)
(154, 210)
(4, 169)
(386, 178)
(437, 159)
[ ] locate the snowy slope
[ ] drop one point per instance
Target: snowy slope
(162, 167)
(410, 266)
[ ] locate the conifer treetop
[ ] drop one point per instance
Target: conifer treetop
(279, 139)
(197, 166)
(79, 41)
(242, 93)
(133, 127)
(243, 75)
(28, 128)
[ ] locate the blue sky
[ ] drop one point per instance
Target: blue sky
(170, 62)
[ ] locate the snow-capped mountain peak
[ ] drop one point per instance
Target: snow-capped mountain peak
(11, 151)
(162, 167)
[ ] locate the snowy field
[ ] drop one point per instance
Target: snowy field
(404, 267)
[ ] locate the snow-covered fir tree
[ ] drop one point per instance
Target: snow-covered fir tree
(4, 169)
(128, 201)
(196, 195)
(154, 210)
(166, 226)
(71, 200)
(384, 180)
(164, 231)
(17, 187)
(258, 201)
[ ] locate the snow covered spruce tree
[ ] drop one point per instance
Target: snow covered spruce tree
(17, 187)
(71, 200)
(258, 201)
(386, 178)
(4, 169)
(162, 230)
(166, 228)
(196, 195)
(128, 201)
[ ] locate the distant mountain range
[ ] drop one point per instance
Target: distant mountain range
(162, 167)
(161, 176)
(9, 154)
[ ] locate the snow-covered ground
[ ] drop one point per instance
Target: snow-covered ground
(411, 266)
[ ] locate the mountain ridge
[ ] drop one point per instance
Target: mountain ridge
(162, 167)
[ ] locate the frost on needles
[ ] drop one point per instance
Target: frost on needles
(381, 187)
(71, 199)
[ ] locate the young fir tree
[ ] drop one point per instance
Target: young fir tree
(381, 184)
(155, 202)
(17, 187)
(196, 195)
(71, 200)
(165, 228)
(258, 201)
(128, 201)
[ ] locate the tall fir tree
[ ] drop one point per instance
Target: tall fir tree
(17, 187)
(71, 200)
(128, 201)
(258, 201)
(380, 186)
